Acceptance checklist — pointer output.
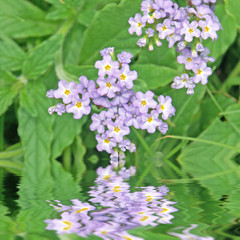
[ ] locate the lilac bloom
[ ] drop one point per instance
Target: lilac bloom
(67, 224)
(163, 7)
(80, 208)
(122, 97)
(165, 28)
(105, 143)
(188, 59)
(172, 38)
(106, 230)
(118, 113)
(165, 107)
(137, 23)
(118, 186)
(150, 121)
(202, 11)
(125, 145)
(142, 42)
(209, 28)
(51, 110)
(124, 57)
(145, 219)
(201, 73)
(150, 32)
(190, 30)
(86, 87)
(99, 122)
(107, 51)
(79, 108)
(125, 76)
(106, 66)
(66, 91)
(60, 109)
(147, 6)
(133, 119)
(183, 81)
(126, 235)
(107, 86)
(204, 55)
(105, 174)
(117, 131)
(144, 101)
(101, 100)
(50, 93)
(196, 2)
(165, 219)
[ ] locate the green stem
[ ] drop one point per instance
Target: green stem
(144, 144)
(229, 112)
(202, 141)
(11, 164)
(221, 110)
(10, 154)
(1, 132)
(67, 159)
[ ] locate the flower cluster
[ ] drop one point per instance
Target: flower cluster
(114, 209)
(187, 27)
(119, 106)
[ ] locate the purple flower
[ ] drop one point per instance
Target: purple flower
(150, 121)
(125, 76)
(66, 91)
(60, 109)
(118, 113)
(86, 87)
(144, 101)
(124, 57)
(187, 59)
(124, 145)
(183, 81)
(150, 32)
(209, 28)
(117, 130)
(137, 23)
(122, 97)
(79, 108)
(98, 122)
(142, 42)
(163, 128)
(190, 30)
(147, 6)
(133, 119)
(201, 73)
(107, 51)
(165, 29)
(50, 93)
(107, 86)
(101, 100)
(165, 107)
(162, 8)
(106, 66)
(105, 143)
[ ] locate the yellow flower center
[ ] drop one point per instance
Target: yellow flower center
(143, 103)
(68, 225)
(199, 71)
(81, 210)
(106, 140)
(144, 218)
(67, 92)
(164, 210)
(117, 189)
(184, 80)
(206, 29)
(139, 24)
(116, 129)
(189, 60)
(140, 212)
(107, 67)
(164, 28)
(171, 35)
(190, 30)
(127, 238)
(149, 119)
(162, 107)
(107, 177)
(149, 198)
(108, 84)
(78, 105)
(104, 232)
(123, 76)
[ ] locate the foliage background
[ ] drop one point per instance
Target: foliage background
(50, 157)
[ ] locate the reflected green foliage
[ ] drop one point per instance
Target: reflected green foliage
(44, 157)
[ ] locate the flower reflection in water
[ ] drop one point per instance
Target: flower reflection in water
(114, 208)
(186, 235)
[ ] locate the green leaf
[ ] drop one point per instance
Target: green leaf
(21, 19)
(9, 87)
(155, 76)
(36, 135)
(226, 36)
(40, 59)
(207, 162)
(110, 28)
(27, 103)
(232, 7)
(12, 56)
